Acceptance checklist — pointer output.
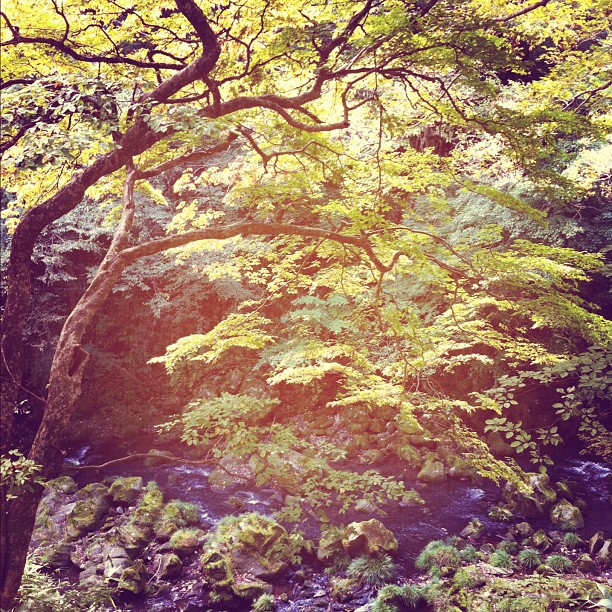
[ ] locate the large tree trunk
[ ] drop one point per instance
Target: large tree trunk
(65, 382)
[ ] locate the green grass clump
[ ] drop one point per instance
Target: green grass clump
(371, 570)
(509, 546)
(395, 598)
(438, 554)
(572, 540)
(529, 558)
(264, 603)
(470, 554)
(500, 558)
(559, 563)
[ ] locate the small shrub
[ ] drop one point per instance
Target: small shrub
(40, 592)
(470, 554)
(500, 558)
(572, 540)
(559, 563)
(394, 597)
(529, 558)
(440, 554)
(264, 603)
(372, 571)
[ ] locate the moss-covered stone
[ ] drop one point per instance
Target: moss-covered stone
(167, 566)
(63, 484)
(369, 538)
(92, 504)
(185, 542)
(474, 529)
(604, 556)
(126, 490)
(57, 555)
(540, 540)
(248, 545)
(535, 503)
(134, 578)
(116, 561)
(249, 588)
(432, 471)
(567, 516)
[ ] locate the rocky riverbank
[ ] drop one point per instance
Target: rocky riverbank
(121, 542)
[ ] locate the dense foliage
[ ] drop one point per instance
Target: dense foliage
(330, 212)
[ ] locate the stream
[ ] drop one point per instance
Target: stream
(450, 505)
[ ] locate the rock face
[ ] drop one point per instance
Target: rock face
(566, 516)
(369, 538)
(596, 542)
(534, 504)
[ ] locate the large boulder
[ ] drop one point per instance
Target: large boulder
(432, 471)
(369, 538)
(566, 516)
(91, 505)
(244, 553)
(534, 502)
(125, 491)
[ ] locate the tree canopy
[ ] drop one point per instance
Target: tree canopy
(383, 192)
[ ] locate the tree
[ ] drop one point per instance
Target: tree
(95, 90)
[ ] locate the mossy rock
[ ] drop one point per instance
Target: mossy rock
(604, 556)
(249, 588)
(406, 452)
(567, 516)
(474, 529)
(56, 555)
(540, 540)
(134, 578)
(150, 507)
(63, 484)
(92, 504)
(126, 490)
(135, 537)
(185, 542)
(501, 514)
(167, 566)
(116, 561)
(369, 538)
(432, 471)
(256, 545)
(533, 504)
(534, 594)
(175, 515)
